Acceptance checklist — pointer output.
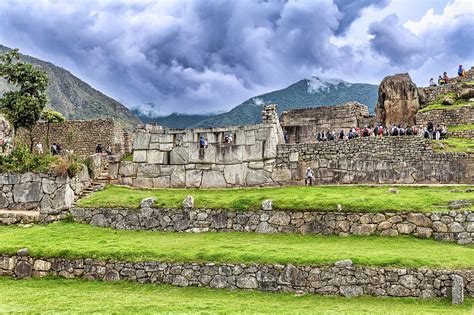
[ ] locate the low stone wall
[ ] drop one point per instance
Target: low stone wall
(30, 191)
(448, 117)
(447, 226)
(462, 134)
(341, 279)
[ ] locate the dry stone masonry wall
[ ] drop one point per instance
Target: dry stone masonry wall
(301, 125)
(30, 191)
(408, 159)
(81, 136)
(457, 226)
(448, 117)
(174, 158)
(340, 279)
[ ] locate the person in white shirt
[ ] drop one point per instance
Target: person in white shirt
(309, 177)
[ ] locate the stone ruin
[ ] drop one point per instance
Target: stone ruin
(258, 156)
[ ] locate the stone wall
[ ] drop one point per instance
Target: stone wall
(448, 117)
(408, 159)
(453, 226)
(81, 136)
(29, 191)
(301, 125)
(342, 278)
(462, 134)
(173, 158)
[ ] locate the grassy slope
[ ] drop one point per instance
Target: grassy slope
(77, 296)
(324, 198)
(461, 127)
(455, 145)
(76, 240)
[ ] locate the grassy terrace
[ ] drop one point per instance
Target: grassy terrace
(77, 240)
(454, 145)
(461, 127)
(322, 198)
(77, 296)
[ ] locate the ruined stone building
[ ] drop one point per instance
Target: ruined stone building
(301, 125)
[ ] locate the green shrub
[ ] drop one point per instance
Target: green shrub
(22, 160)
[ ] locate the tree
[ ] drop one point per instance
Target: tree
(23, 106)
(51, 116)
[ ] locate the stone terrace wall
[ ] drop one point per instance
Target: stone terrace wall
(458, 116)
(341, 279)
(81, 136)
(408, 159)
(173, 158)
(31, 191)
(302, 124)
(453, 226)
(462, 134)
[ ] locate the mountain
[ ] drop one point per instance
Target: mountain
(313, 92)
(74, 98)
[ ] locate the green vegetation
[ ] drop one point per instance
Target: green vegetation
(457, 104)
(82, 240)
(128, 157)
(23, 106)
(51, 295)
(455, 145)
(321, 198)
(460, 127)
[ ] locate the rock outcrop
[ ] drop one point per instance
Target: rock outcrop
(398, 100)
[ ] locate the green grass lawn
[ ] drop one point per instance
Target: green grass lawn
(437, 106)
(82, 240)
(78, 296)
(461, 127)
(322, 198)
(454, 145)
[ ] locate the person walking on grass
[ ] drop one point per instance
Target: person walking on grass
(309, 177)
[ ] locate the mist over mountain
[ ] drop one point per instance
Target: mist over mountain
(74, 98)
(313, 92)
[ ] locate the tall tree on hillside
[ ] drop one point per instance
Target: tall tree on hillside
(51, 116)
(23, 106)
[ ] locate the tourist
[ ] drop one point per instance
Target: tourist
(445, 78)
(54, 149)
(409, 131)
(461, 71)
(229, 139)
(430, 129)
(432, 82)
(39, 148)
(440, 81)
(98, 148)
(206, 143)
(202, 142)
(341, 135)
(309, 177)
(58, 148)
(108, 149)
(437, 132)
(285, 136)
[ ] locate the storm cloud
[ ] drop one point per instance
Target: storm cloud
(208, 56)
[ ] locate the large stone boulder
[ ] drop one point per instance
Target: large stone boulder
(398, 100)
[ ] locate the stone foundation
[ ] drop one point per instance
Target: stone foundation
(341, 279)
(30, 191)
(455, 226)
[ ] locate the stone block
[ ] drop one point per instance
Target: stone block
(419, 219)
(179, 155)
(148, 170)
(258, 177)
(141, 141)
(161, 182)
(202, 155)
(143, 182)
(27, 192)
(178, 177)
(139, 156)
(147, 202)
(235, 174)
(212, 178)
(457, 291)
(156, 157)
(193, 178)
(127, 168)
(229, 154)
(253, 152)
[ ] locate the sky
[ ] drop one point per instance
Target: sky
(201, 56)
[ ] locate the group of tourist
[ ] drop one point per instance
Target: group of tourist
(99, 148)
(55, 149)
(442, 80)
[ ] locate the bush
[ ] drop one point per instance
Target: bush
(69, 165)
(22, 160)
